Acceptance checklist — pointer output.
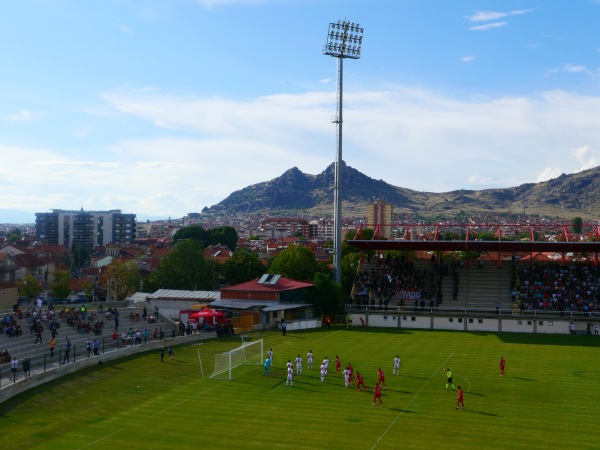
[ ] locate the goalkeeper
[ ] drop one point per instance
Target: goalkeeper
(267, 370)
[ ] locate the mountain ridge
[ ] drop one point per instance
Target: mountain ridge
(297, 193)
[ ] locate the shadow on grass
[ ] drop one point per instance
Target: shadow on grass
(521, 378)
(482, 413)
(477, 394)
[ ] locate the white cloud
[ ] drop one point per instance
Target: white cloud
(196, 151)
(124, 28)
(467, 58)
(484, 16)
(488, 26)
(572, 68)
(24, 115)
(548, 173)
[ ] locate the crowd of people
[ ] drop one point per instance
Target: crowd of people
(558, 287)
(392, 281)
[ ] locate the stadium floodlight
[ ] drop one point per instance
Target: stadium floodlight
(344, 40)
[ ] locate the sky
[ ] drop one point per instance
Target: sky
(164, 107)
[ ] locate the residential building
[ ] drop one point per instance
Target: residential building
(85, 229)
(379, 217)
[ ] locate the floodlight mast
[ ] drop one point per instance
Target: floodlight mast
(344, 40)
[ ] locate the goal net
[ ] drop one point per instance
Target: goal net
(248, 353)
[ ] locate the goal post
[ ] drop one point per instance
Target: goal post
(247, 353)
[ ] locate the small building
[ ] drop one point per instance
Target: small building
(266, 300)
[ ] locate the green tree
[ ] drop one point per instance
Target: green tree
(243, 266)
(28, 287)
(194, 232)
(88, 290)
(184, 268)
(223, 235)
(296, 262)
(59, 287)
(350, 263)
(122, 278)
(576, 224)
(326, 295)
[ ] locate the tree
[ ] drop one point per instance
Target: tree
(194, 232)
(243, 266)
(577, 224)
(223, 235)
(296, 262)
(184, 268)
(326, 295)
(122, 278)
(350, 263)
(59, 287)
(28, 287)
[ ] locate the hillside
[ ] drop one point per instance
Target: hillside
(297, 193)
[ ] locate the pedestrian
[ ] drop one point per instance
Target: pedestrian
(170, 351)
(397, 364)
(338, 364)
(26, 367)
(360, 382)
(52, 347)
(82, 310)
(267, 366)
(323, 372)
(460, 398)
(572, 328)
(270, 355)
(596, 327)
(349, 321)
(14, 364)
(309, 359)
(96, 346)
(290, 376)
(144, 313)
(156, 312)
(88, 347)
(38, 334)
(67, 351)
(283, 326)
(449, 380)
(162, 353)
(346, 374)
(377, 395)
(299, 365)
(497, 308)
(502, 366)
(381, 381)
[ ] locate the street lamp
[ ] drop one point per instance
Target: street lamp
(344, 40)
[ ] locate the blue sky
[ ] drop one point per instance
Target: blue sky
(163, 107)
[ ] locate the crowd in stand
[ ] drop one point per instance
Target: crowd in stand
(558, 287)
(393, 279)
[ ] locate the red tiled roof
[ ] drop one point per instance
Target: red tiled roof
(283, 284)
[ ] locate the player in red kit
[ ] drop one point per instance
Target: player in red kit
(502, 365)
(338, 364)
(377, 395)
(351, 369)
(381, 380)
(460, 398)
(360, 382)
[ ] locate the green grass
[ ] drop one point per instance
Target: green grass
(548, 398)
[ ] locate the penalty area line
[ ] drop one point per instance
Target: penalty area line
(411, 400)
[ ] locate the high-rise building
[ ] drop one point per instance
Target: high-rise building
(379, 217)
(85, 229)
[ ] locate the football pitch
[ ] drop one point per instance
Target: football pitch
(548, 397)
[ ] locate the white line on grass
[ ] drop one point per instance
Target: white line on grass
(150, 416)
(328, 335)
(411, 400)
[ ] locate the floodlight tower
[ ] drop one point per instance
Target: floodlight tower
(344, 40)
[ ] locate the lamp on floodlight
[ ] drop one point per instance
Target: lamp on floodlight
(344, 40)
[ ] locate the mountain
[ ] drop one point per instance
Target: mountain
(297, 193)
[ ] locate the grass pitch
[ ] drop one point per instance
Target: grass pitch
(547, 399)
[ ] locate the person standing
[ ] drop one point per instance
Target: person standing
(323, 372)
(162, 353)
(377, 395)
(338, 364)
(360, 382)
(52, 347)
(270, 355)
(596, 327)
(88, 347)
(156, 312)
(326, 364)
(502, 366)
(67, 351)
(449, 380)
(397, 364)
(96, 347)
(38, 334)
(14, 364)
(290, 376)
(299, 365)
(381, 381)
(283, 326)
(171, 354)
(351, 369)
(267, 366)
(460, 398)
(309, 359)
(26, 367)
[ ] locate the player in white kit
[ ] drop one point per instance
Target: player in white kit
(346, 374)
(323, 373)
(290, 376)
(326, 364)
(298, 365)
(397, 364)
(309, 359)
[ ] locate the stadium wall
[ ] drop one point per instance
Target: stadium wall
(491, 324)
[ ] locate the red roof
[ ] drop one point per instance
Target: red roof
(283, 284)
